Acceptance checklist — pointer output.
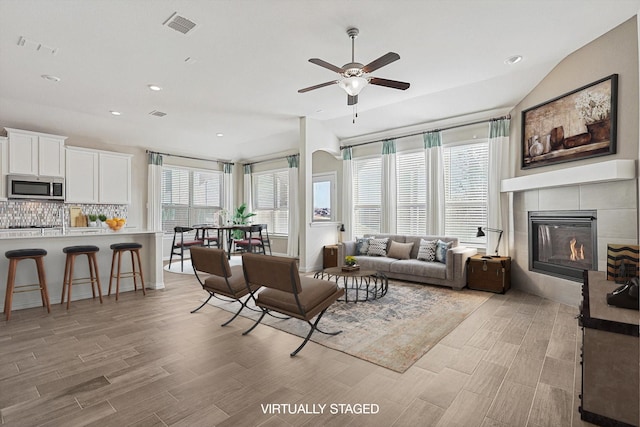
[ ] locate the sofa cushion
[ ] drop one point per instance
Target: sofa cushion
(378, 247)
(376, 263)
(414, 267)
(441, 251)
(427, 250)
(362, 245)
(399, 250)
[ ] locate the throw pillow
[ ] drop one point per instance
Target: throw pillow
(362, 246)
(378, 247)
(427, 250)
(441, 251)
(400, 250)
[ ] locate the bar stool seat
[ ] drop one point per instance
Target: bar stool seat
(16, 256)
(94, 277)
(118, 249)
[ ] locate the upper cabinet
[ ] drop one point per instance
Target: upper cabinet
(35, 153)
(4, 167)
(95, 176)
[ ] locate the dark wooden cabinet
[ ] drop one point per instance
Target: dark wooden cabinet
(330, 254)
(489, 274)
(609, 357)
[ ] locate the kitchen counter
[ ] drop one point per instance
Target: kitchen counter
(53, 240)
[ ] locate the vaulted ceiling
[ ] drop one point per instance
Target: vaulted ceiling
(238, 70)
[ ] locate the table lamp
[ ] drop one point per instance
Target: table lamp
(480, 233)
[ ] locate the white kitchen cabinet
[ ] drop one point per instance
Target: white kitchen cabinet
(115, 178)
(95, 176)
(35, 153)
(82, 176)
(4, 167)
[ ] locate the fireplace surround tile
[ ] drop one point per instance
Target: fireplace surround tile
(559, 198)
(609, 195)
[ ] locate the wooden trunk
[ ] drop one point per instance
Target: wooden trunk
(489, 274)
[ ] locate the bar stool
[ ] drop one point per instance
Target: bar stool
(118, 249)
(94, 278)
(16, 256)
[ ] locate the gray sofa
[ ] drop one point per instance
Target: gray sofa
(452, 273)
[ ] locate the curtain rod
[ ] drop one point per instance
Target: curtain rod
(426, 131)
(186, 157)
(271, 159)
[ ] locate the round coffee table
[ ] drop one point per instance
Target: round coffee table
(366, 284)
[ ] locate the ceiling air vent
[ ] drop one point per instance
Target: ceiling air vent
(179, 23)
(158, 113)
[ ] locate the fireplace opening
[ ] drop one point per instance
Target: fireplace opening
(563, 243)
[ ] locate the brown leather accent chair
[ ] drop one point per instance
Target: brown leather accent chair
(285, 291)
(222, 280)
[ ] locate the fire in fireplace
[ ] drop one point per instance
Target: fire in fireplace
(563, 243)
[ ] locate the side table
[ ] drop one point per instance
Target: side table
(331, 256)
(486, 273)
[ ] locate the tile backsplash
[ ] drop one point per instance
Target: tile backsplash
(19, 213)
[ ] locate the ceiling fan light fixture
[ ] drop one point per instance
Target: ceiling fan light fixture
(353, 85)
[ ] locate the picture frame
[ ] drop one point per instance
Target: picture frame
(577, 125)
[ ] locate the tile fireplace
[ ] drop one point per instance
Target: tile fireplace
(563, 243)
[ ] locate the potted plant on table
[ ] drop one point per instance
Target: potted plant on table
(350, 263)
(241, 217)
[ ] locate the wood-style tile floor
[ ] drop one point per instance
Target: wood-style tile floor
(146, 361)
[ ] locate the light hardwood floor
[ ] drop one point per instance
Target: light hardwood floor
(146, 361)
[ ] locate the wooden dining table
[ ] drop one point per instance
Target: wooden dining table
(224, 234)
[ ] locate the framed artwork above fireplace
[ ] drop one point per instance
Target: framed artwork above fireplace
(576, 125)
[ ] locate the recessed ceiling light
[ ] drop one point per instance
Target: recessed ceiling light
(50, 78)
(219, 135)
(115, 113)
(513, 59)
(154, 87)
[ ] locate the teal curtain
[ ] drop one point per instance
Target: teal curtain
(499, 128)
(154, 158)
(432, 139)
(227, 167)
(293, 161)
(247, 169)
(389, 146)
(347, 153)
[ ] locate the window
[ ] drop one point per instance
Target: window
(271, 200)
(367, 195)
(189, 196)
(324, 197)
(466, 181)
(411, 213)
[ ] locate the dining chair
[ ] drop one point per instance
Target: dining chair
(179, 244)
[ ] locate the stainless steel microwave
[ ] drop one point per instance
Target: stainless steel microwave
(35, 187)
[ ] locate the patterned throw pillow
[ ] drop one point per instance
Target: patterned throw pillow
(427, 250)
(441, 251)
(362, 245)
(378, 247)
(400, 250)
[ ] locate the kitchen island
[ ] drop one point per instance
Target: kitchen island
(54, 239)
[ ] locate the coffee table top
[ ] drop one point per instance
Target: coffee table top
(337, 271)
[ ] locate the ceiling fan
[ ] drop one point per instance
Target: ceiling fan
(354, 76)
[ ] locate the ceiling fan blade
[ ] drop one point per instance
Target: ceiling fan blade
(325, 64)
(389, 83)
(352, 100)
(381, 62)
(307, 89)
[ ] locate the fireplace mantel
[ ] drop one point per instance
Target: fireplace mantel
(612, 170)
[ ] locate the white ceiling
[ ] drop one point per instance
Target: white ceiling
(251, 57)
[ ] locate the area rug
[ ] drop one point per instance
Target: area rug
(188, 269)
(393, 331)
